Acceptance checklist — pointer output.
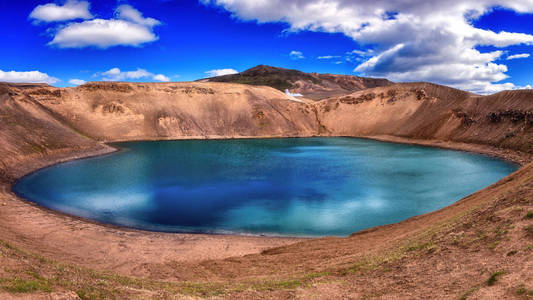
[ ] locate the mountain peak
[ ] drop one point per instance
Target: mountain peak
(311, 85)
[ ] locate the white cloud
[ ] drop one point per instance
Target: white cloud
(412, 40)
(516, 56)
(76, 81)
(71, 10)
(296, 55)
(221, 72)
(128, 28)
(27, 77)
(360, 52)
(161, 77)
(115, 74)
(102, 34)
(328, 57)
(126, 12)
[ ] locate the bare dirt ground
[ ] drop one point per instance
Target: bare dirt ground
(479, 248)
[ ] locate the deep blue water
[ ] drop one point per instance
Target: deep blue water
(307, 186)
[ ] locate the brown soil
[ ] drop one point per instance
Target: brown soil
(446, 254)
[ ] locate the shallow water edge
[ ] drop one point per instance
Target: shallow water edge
(262, 189)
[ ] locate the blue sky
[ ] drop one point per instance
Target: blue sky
(456, 42)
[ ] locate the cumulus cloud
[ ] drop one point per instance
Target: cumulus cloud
(126, 12)
(128, 28)
(27, 77)
(76, 81)
(516, 56)
(221, 72)
(71, 10)
(412, 40)
(161, 77)
(102, 34)
(296, 55)
(115, 74)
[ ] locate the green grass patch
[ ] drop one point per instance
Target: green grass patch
(278, 285)
(521, 289)
(6, 245)
(468, 293)
(501, 230)
(423, 246)
(494, 245)
(198, 289)
(362, 265)
(35, 275)
(91, 293)
(17, 285)
(35, 148)
(494, 277)
(312, 276)
(529, 214)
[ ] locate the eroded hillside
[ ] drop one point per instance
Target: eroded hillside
(480, 247)
(429, 111)
(39, 119)
(30, 131)
(124, 111)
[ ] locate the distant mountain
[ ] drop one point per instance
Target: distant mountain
(311, 85)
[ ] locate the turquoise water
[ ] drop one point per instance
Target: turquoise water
(307, 186)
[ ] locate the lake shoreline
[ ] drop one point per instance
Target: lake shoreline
(62, 229)
(132, 218)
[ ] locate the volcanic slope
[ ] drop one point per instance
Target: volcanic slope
(111, 111)
(311, 85)
(429, 111)
(480, 247)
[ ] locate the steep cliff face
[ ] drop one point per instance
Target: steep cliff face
(40, 118)
(30, 131)
(127, 111)
(428, 111)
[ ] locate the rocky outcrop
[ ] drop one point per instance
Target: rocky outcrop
(512, 115)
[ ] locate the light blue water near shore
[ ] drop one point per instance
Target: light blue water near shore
(307, 186)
